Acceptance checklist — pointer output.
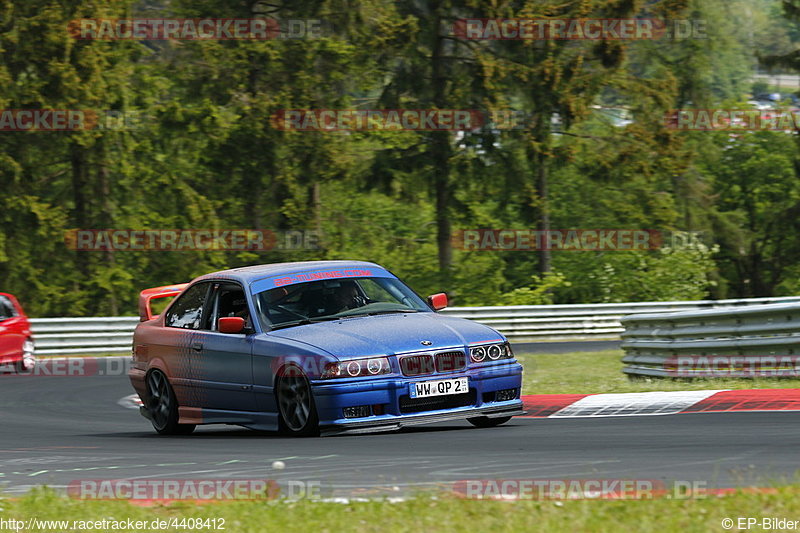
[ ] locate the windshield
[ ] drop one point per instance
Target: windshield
(317, 301)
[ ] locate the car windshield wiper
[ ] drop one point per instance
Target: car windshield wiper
(388, 311)
(302, 322)
(381, 312)
(290, 324)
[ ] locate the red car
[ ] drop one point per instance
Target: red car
(16, 341)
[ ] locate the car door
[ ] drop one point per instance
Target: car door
(12, 330)
(225, 359)
(179, 343)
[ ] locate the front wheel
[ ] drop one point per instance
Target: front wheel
(298, 414)
(486, 422)
(163, 406)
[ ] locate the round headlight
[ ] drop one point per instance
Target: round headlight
(354, 368)
(374, 366)
(478, 354)
(494, 352)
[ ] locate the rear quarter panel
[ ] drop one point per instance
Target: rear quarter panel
(169, 350)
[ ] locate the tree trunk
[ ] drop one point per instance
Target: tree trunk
(442, 185)
(316, 201)
(78, 164)
(106, 218)
(539, 153)
(80, 209)
(543, 225)
(440, 151)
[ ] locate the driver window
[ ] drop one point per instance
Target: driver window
(6, 309)
(231, 301)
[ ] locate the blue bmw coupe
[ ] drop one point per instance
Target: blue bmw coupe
(316, 347)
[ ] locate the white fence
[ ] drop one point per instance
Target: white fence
(77, 336)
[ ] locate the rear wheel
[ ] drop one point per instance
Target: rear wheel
(486, 422)
(298, 414)
(163, 406)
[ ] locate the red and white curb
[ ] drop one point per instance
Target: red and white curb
(638, 403)
(660, 403)
(131, 402)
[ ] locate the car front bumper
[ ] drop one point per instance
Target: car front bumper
(392, 394)
(382, 424)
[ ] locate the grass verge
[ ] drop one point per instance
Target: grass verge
(601, 372)
(429, 514)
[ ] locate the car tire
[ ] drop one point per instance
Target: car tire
(486, 422)
(297, 412)
(163, 406)
(27, 362)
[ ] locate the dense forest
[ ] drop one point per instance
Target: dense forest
(199, 147)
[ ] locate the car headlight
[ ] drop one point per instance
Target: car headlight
(478, 354)
(494, 352)
(491, 352)
(374, 366)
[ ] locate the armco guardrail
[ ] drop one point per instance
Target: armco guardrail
(582, 321)
(753, 341)
(77, 336)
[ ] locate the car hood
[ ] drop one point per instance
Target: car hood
(388, 334)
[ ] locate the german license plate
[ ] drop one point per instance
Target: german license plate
(443, 387)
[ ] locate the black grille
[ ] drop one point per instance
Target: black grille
(500, 396)
(450, 361)
(417, 365)
(417, 405)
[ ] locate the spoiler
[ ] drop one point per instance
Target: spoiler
(145, 312)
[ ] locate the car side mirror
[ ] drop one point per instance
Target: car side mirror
(438, 301)
(231, 324)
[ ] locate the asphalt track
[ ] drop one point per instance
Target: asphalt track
(54, 430)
